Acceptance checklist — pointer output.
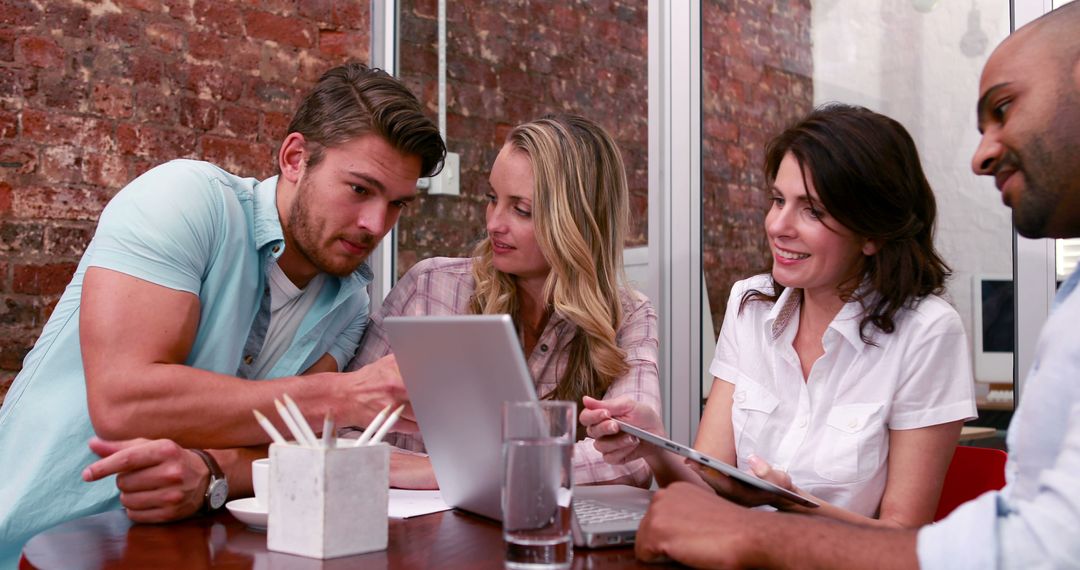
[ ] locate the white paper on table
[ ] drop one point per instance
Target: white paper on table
(407, 503)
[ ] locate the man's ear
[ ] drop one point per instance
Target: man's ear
(871, 247)
(292, 157)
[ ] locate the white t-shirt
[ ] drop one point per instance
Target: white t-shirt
(288, 306)
(831, 432)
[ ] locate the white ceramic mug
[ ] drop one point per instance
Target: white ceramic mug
(260, 482)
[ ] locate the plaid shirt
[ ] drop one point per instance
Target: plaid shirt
(444, 286)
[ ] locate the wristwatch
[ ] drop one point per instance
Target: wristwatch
(218, 489)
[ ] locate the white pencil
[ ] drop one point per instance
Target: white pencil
(300, 420)
(291, 424)
(328, 435)
(372, 427)
(268, 427)
(389, 423)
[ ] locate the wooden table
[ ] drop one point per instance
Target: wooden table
(968, 433)
(443, 540)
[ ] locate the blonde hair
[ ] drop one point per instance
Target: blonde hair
(580, 216)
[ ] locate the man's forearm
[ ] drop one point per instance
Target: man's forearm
(782, 540)
(197, 408)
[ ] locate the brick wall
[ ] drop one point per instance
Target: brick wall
(94, 93)
(509, 62)
(757, 69)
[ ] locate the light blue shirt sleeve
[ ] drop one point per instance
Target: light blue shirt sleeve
(994, 532)
(162, 227)
(345, 344)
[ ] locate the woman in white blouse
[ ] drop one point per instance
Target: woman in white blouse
(842, 374)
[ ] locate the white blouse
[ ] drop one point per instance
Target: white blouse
(831, 432)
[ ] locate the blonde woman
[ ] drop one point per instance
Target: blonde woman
(556, 220)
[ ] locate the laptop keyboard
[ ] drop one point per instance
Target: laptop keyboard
(589, 511)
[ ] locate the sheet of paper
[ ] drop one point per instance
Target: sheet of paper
(406, 503)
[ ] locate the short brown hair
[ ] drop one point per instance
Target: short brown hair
(352, 100)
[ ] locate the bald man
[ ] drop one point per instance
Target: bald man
(1029, 115)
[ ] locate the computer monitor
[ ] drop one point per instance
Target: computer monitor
(994, 328)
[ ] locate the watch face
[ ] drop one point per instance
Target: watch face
(218, 492)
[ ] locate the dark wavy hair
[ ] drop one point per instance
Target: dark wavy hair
(353, 99)
(867, 174)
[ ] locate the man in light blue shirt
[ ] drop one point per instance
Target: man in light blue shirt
(198, 282)
(1029, 114)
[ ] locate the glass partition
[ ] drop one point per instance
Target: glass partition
(917, 61)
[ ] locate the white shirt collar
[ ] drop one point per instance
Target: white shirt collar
(786, 310)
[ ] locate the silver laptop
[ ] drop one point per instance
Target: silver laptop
(458, 371)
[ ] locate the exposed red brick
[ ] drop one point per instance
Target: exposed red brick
(217, 15)
(67, 241)
(61, 164)
(112, 100)
(321, 11)
(62, 128)
(117, 28)
(343, 44)
(64, 93)
(5, 198)
(39, 51)
(25, 239)
(9, 125)
(20, 13)
(198, 114)
(352, 14)
(13, 350)
(106, 170)
(274, 127)
(214, 82)
(283, 30)
(240, 122)
(141, 5)
(168, 37)
(41, 279)
(57, 202)
(157, 143)
(17, 158)
(147, 67)
(152, 107)
(71, 19)
(240, 157)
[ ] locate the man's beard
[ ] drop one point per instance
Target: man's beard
(304, 230)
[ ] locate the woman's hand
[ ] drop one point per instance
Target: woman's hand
(746, 495)
(410, 470)
(616, 446)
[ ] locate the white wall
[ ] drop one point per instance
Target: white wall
(908, 64)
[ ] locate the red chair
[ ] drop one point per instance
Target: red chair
(972, 472)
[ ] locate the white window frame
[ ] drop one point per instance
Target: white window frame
(675, 205)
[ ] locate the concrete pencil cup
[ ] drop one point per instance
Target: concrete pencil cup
(328, 502)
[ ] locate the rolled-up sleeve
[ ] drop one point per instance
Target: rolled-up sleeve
(995, 532)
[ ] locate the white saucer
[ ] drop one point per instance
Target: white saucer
(248, 513)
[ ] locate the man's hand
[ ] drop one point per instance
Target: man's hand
(411, 470)
(691, 525)
(619, 447)
(159, 481)
(372, 388)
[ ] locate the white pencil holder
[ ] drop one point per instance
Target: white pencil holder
(327, 503)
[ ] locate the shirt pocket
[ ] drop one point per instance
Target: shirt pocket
(850, 446)
(752, 405)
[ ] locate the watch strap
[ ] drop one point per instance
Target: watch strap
(216, 474)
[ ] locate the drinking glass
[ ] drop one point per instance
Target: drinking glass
(538, 446)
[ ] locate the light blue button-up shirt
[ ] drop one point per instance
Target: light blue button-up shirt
(188, 226)
(1034, 522)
